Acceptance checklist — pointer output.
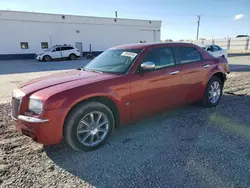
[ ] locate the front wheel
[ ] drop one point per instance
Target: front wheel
(89, 126)
(213, 92)
(47, 58)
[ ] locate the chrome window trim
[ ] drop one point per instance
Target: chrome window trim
(31, 119)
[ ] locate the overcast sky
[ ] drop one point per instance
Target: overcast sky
(220, 18)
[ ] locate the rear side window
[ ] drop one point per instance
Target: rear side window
(162, 57)
(188, 55)
(216, 48)
(67, 48)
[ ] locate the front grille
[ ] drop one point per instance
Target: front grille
(15, 107)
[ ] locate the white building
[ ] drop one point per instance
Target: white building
(24, 33)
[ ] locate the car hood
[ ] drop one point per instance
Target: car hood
(61, 78)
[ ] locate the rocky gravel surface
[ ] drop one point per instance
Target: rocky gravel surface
(185, 147)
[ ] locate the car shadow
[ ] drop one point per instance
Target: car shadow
(29, 66)
(190, 146)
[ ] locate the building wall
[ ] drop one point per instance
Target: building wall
(101, 33)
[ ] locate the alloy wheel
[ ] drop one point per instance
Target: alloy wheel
(214, 92)
(93, 128)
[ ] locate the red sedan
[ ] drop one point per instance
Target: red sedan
(124, 83)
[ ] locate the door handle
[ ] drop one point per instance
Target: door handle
(173, 73)
(206, 66)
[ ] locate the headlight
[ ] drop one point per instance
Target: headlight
(35, 106)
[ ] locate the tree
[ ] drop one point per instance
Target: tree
(239, 36)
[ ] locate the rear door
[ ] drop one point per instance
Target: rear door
(193, 71)
(158, 89)
(66, 51)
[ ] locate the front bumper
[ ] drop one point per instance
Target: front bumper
(32, 119)
(39, 58)
(47, 130)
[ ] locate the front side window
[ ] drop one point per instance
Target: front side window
(113, 61)
(24, 45)
(44, 45)
(57, 49)
(209, 49)
(161, 57)
(188, 55)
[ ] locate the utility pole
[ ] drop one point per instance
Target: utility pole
(198, 26)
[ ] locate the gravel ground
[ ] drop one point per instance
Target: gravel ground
(186, 147)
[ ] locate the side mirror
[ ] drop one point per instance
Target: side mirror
(53, 50)
(146, 66)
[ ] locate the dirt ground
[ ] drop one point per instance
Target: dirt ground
(186, 147)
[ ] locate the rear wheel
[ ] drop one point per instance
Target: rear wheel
(72, 57)
(213, 92)
(89, 126)
(47, 58)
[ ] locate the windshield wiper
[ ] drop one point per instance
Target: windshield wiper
(81, 68)
(93, 70)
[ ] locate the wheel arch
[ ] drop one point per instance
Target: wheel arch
(220, 75)
(46, 55)
(102, 99)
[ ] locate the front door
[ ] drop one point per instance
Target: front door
(56, 53)
(66, 51)
(193, 71)
(157, 89)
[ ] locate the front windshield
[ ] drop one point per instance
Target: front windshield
(49, 49)
(113, 61)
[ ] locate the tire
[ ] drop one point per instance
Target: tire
(72, 57)
(82, 113)
(47, 58)
(210, 99)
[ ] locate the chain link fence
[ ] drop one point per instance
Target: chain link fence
(242, 43)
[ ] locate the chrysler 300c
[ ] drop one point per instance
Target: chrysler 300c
(121, 85)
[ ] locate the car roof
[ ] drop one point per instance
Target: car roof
(146, 45)
(65, 45)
